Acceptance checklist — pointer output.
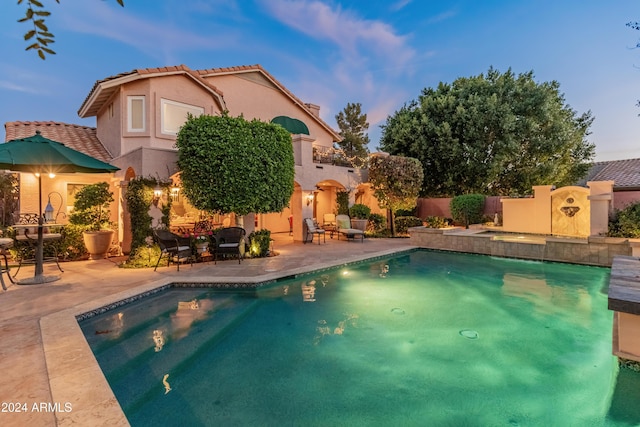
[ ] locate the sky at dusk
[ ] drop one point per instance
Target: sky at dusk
(378, 53)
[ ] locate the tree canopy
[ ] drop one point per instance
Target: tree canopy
(353, 125)
(492, 134)
(229, 164)
(396, 182)
(39, 36)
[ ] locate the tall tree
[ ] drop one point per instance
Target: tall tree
(353, 126)
(396, 183)
(229, 164)
(39, 36)
(491, 134)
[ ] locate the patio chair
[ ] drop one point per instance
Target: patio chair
(230, 241)
(343, 224)
(312, 230)
(177, 248)
(329, 223)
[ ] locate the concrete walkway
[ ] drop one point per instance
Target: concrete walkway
(26, 393)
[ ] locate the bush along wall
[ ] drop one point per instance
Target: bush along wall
(403, 223)
(467, 209)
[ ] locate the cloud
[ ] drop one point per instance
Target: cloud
(14, 87)
(351, 33)
(399, 5)
(146, 34)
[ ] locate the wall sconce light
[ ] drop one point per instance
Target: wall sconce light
(309, 198)
(157, 192)
(175, 193)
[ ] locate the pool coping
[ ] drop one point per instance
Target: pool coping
(76, 381)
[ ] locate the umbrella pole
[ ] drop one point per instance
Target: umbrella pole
(39, 276)
(40, 245)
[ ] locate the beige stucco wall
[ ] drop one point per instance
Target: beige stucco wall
(255, 97)
(58, 184)
(528, 215)
(626, 335)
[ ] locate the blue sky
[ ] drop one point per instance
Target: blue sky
(378, 53)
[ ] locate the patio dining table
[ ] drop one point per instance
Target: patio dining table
(37, 242)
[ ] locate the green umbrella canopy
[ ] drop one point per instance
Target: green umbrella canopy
(38, 154)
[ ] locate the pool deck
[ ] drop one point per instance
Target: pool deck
(42, 365)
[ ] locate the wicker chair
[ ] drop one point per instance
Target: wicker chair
(230, 241)
(177, 248)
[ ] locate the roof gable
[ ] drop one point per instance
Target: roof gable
(104, 89)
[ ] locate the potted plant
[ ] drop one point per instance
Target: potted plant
(91, 209)
(359, 214)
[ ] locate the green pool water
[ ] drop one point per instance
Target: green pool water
(424, 338)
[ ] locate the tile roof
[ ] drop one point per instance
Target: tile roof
(625, 174)
(80, 138)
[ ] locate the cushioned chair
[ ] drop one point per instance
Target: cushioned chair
(177, 248)
(313, 230)
(230, 241)
(343, 224)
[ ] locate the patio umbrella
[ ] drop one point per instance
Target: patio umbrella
(39, 155)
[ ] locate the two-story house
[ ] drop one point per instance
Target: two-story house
(139, 113)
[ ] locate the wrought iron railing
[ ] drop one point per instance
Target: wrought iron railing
(329, 155)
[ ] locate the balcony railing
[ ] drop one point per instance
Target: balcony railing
(328, 155)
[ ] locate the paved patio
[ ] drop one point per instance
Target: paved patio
(26, 374)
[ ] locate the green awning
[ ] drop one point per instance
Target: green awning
(294, 126)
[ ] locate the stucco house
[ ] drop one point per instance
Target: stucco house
(139, 113)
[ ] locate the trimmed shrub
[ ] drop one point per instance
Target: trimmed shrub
(377, 223)
(467, 209)
(436, 222)
(403, 223)
(259, 242)
(625, 222)
(359, 211)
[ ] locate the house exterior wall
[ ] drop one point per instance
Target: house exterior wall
(255, 97)
(623, 198)
(109, 123)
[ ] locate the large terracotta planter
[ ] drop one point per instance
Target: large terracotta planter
(359, 224)
(98, 243)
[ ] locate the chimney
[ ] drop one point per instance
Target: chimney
(315, 109)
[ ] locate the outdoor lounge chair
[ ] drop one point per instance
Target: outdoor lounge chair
(313, 230)
(177, 248)
(230, 241)
(343, 224)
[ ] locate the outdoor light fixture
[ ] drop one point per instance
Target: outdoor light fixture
(49, 210)
(157, 192)
(309, 198)
(175, 193)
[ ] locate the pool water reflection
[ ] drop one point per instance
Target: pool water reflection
(425, 338)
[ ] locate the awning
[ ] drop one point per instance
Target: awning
(294, 126)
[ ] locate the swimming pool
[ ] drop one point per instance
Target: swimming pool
(425, 338)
